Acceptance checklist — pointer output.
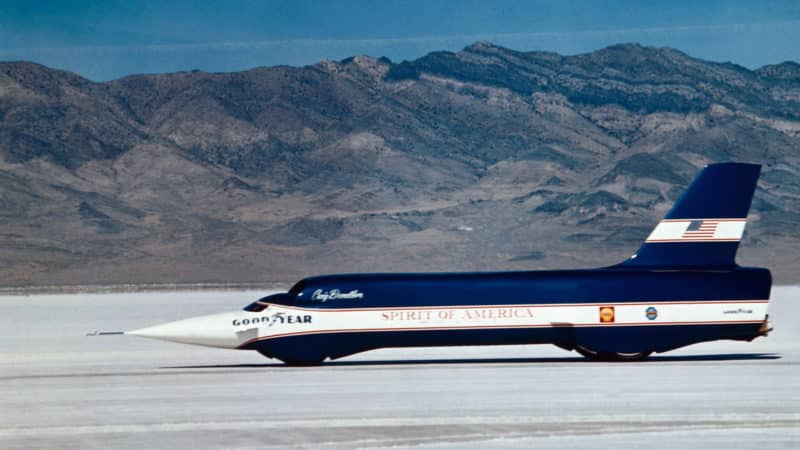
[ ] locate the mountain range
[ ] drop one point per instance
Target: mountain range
(482, 159)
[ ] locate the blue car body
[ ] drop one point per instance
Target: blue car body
(681, 287)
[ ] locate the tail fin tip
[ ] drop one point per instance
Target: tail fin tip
(706, 224)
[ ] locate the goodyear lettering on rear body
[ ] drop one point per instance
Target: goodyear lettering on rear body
(738, 311)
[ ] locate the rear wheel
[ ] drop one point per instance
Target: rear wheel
(611, 356)
(302, 362)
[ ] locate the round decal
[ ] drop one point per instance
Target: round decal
(651, 313)
(607, 314)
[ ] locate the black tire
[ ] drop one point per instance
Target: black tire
(296, 362)
(593, 355)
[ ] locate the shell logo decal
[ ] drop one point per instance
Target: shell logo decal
(606, 314)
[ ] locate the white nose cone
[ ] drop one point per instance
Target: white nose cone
(211, 331)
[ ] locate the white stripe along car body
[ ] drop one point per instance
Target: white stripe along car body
(235, 329)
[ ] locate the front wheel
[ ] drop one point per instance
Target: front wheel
(305, 360)
(611, 356)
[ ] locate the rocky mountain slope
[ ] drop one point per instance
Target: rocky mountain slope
(484, 159)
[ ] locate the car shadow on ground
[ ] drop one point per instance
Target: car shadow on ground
(468, 361)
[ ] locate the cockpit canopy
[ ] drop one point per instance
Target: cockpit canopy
(282, 298)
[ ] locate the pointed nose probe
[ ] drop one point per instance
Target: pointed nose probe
(211, 331)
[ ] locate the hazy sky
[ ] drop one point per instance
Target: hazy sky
(102, 40)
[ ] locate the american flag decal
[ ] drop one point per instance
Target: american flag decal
(701, 229)
(698, 230)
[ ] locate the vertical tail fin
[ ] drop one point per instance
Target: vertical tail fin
(705, 226)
